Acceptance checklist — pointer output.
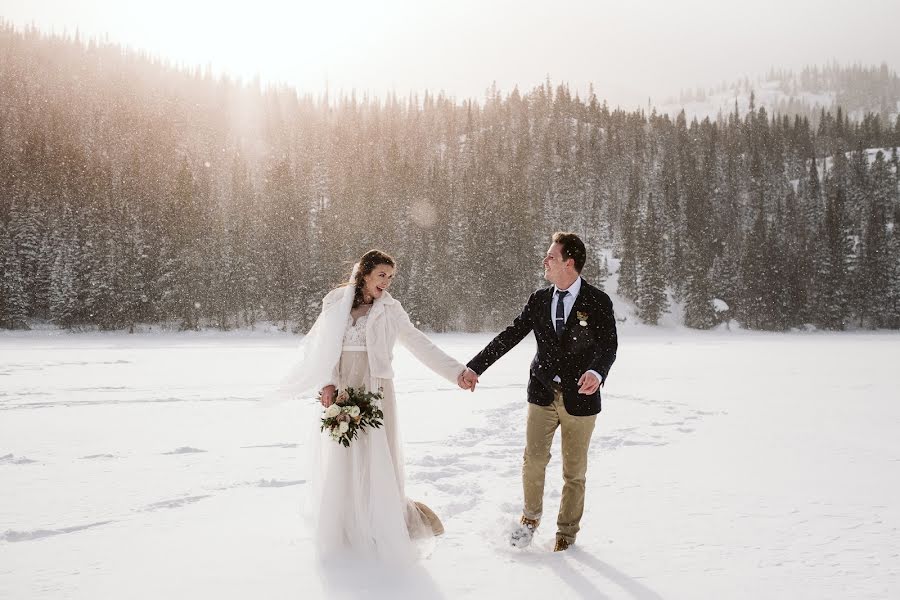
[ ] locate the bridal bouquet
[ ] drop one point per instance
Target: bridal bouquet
(353, 410)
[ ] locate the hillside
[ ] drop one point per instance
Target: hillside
(858, 90)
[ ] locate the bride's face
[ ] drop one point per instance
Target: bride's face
(378, 281)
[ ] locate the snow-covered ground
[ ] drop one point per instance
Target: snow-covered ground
(724, 465)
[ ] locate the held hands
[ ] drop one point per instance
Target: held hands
(326, 396)
(467, 379)
(588, 383)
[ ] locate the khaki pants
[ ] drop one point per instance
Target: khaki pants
(576, 439)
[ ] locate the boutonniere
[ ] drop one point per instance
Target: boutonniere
(582, 318)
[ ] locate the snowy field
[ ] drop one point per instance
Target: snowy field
(724, 465)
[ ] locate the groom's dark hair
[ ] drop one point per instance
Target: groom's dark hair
(572, 247)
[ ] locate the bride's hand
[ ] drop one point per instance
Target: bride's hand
(467, 379)
(326, 396)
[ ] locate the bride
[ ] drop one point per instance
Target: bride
(357, 496)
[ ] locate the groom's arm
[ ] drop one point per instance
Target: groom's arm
(505, 341)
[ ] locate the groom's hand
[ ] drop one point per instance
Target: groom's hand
(588, 383)
(467, 379)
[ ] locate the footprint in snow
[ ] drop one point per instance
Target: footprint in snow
(185, 450)
(10, 459)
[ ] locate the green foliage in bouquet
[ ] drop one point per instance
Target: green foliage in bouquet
(353, 410)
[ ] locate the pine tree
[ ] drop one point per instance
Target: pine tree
(651, 301)
(876, 263)
(131, 266)
(628, 267)
(831, 284)
(699, 311)
(39, 283)
(791, 263)
(183, 258)
(696, 289)
(725, 281)
(780, 292)
(98, 268)
(13, 297)
(891, 308)
(26, 231)
(811, 210)
(283, 225)
(754, 309)
(63, 293)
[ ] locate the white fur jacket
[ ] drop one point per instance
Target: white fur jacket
(387, 323)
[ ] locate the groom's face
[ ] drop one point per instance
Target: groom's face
(555, 268)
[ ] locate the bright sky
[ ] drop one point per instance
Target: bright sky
(631, 50)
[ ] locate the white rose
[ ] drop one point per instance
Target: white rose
(344, 427)
(354, 411)
(332, 411)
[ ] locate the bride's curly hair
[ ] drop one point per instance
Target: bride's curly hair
(367, 264)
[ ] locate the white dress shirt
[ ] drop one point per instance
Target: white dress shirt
(568, 303)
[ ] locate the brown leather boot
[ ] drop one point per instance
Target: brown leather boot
(523, 534)
(561, 544)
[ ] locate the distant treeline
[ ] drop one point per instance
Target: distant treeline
(135, 192)
(857, 89)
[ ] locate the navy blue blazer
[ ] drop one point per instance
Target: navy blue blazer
(581, 348)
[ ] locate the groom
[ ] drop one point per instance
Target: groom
(575, 329)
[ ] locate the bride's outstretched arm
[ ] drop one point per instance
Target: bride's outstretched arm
(425, 350)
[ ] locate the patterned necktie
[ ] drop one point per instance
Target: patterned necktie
(560, 320)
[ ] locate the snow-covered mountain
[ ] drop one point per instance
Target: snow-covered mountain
(856, 89)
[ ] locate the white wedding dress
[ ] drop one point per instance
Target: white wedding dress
(356, 496)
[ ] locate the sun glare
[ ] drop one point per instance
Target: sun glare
(303, 43)
(297, 42)
(462, 46)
